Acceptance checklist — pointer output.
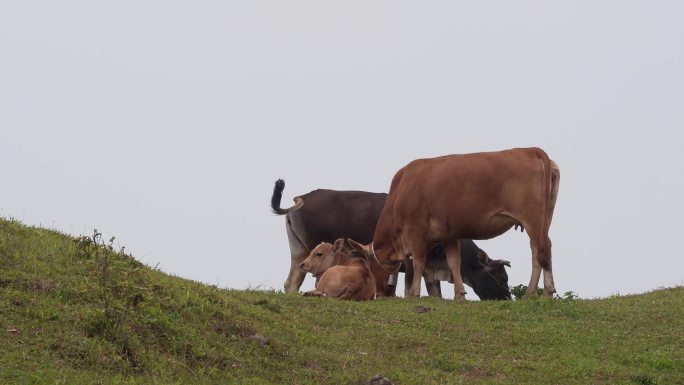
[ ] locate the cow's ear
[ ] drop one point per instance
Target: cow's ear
(363, 249)
(338, 245)
(483, 257)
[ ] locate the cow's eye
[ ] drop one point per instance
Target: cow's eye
(319, 254)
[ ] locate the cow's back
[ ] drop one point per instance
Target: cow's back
(458, 190)
(327, 215)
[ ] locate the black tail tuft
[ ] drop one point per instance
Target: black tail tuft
(277, 197)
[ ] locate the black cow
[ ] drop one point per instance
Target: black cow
(326, 215)
(486, 276)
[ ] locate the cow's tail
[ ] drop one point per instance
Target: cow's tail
(278, 196)
(544, 255)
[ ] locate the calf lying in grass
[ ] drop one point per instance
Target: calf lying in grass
(339, 275)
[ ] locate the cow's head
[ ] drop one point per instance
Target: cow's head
(491, 281)
(385, 275)
(322, 257)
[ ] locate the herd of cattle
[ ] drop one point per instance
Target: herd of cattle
(355, 243)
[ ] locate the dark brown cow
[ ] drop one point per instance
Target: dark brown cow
(473, 196)
(326, 215)
(339, 275)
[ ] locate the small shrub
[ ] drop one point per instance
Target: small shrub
(568, 296)
(116, 300)
(520, 290)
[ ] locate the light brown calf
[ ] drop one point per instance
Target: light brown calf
(339, 275)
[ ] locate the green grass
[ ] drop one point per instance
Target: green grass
(73, 311)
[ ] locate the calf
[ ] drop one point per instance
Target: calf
(339, 275)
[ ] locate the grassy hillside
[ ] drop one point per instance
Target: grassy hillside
(77, 311)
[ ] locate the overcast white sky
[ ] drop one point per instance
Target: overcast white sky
(166, 123)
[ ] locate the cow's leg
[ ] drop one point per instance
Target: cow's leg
(408, 277)
(453, 255)
(541, 261)
(296, 276)
(391, 290)
(418, 268)
(534, 278)
(298, 254)
(434, 288)
(549, 286)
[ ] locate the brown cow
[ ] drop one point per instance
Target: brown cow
(339, 275)
(471, 196)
